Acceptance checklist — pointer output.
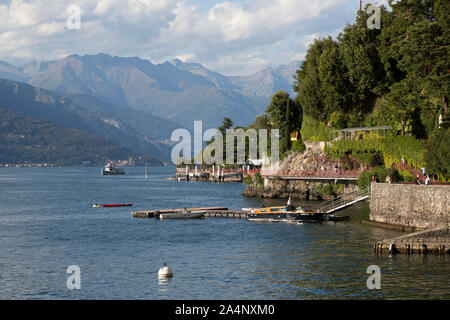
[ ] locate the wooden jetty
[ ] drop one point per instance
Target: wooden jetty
(210, 212)
(215, 212)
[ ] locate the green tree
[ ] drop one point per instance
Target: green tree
(365, 71)
(414, 46)
(335, 87)
(261, 122)
(308, 83)
(227, 123)
(286, 115)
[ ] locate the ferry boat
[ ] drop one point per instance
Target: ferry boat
(285, 214)
(110, 169)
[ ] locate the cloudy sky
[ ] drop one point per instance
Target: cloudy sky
(233, 37)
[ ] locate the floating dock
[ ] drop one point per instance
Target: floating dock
(216, 212)
(210, 212)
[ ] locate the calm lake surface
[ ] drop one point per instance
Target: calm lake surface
(47, 223)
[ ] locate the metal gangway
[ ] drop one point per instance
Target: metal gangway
(345, 201)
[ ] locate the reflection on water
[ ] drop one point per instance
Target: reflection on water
(163, 284)
(47, 223)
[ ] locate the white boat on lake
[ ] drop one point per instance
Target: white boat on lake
(110, 170)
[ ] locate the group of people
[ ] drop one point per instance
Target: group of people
(417, 181)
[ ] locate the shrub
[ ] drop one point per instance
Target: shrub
(372, 159)
(407, 176)
(313, 130)
(391, 148)
(437, 154)
(329, 189)
(248, 180)
(380, 173)
(298, 146)
(258, 180)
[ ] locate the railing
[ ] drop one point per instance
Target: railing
(182, 171)
(345, 200)
(327, 174)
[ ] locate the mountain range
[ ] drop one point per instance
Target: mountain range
(27, 140)
(134, 102)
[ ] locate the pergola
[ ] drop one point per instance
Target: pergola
(349, 133)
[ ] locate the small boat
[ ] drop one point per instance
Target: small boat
(111, 170)
(96, 205)
(271, 214)
(285, 214)
(307, 214)
(184, 214)
(117, 205)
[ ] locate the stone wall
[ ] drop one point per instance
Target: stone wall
(410, 205)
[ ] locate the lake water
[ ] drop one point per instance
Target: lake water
(47, 223)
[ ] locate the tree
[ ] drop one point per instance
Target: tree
(335, 86)
(261, 122)
(308, 83)
(286, 115)
(414, 46)
(227, 123)
(364, 69)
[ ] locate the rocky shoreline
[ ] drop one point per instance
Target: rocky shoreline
(299, 190)
(313, 158)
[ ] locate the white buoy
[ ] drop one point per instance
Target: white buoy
(165, 272)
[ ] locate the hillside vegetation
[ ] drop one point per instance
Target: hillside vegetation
(26, 140)
(397, 75)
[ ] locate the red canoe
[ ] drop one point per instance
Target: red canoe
(118, 205)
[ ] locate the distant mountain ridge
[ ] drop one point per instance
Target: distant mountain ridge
(19, 97)
(27, 140)
(178, 91)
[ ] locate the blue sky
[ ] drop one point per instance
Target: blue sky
(234, 37)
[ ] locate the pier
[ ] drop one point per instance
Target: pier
(212, 174)
(219, 212)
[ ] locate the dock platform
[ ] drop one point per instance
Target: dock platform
(210, 212)
(216, 212)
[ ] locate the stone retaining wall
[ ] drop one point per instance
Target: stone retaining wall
(417, 206)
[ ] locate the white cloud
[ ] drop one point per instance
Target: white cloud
(186, 57)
